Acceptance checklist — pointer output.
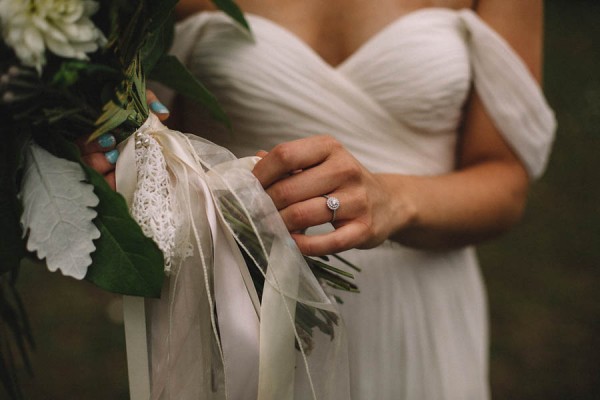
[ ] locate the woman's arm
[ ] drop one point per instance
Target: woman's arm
(483, 197)
(490, 186)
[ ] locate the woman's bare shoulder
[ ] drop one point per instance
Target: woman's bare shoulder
(520, 23)
(185, 8)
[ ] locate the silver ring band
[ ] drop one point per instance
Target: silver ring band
(333, 203)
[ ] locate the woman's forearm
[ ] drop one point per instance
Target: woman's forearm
(459, 208)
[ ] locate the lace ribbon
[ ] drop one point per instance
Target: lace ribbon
(247, 350)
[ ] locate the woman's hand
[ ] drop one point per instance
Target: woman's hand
(484, 197)
(297, 174)
(101, 154)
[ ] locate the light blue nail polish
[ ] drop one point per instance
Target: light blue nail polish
(159, 107)
(112, 156)
(107, 140)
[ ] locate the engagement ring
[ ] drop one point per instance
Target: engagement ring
(333, 203)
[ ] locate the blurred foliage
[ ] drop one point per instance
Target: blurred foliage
(542, 278)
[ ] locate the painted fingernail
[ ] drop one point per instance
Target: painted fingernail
(112, 156)
(107, 140)
(159, 107)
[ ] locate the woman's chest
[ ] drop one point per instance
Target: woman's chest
(415, 71)
(336, 29)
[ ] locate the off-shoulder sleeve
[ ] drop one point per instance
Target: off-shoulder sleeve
(510, 94)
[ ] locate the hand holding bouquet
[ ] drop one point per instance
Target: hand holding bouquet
(189, 209)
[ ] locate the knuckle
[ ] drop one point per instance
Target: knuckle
(353, 171)
(281, 193)
(297, 217)
(332, 143)
(350, 171)
(307, 247)
(361, 200)
(96, 161)
(88, 160)
(367, 231)
(339, 242)
(283, 153)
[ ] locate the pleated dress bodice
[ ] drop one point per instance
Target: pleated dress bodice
(418, 329)
(395, 103)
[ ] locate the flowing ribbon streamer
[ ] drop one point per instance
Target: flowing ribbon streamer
(253, 352)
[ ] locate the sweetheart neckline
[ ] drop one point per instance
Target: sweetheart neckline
(402, 19)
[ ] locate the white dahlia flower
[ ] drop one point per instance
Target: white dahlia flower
(62, 26)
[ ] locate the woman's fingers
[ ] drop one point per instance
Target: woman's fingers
(315, 211)
(102, 162)
(343, 238)
(111, 180)
(292, 156)
(307, 213)
(104, 143)
(100, 155)
(300, 186)
(158, 108)
(297, 174)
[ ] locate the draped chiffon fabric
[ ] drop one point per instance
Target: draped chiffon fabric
(418, 329)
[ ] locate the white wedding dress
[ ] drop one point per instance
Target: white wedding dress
(418, 328)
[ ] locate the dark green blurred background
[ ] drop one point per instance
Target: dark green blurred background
(543, 278)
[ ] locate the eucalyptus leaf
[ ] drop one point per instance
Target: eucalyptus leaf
(57, 213)
(172, 73)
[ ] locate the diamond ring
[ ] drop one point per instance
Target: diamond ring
(333, 203)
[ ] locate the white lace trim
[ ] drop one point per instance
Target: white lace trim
(154, 207)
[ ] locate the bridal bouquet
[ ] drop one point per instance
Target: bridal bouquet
(78, 68)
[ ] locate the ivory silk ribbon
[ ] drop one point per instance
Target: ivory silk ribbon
(259, 358)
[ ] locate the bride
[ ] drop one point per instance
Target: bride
(414, 128)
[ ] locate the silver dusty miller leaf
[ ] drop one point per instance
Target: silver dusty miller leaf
(57, 213)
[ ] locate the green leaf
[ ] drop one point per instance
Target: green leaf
(113, 117)
(157, 44)
(15, 336)
(12, 245)
(230, 8)
(125, 260)
(160, 13)
(68, 73)
(172, 73)
(128, 104)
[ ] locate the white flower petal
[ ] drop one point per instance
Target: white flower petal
(86, 47)
(59, 48)
(56, 34)
(33, 40)
(90, 8)
(40, 23)
(61, 26)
